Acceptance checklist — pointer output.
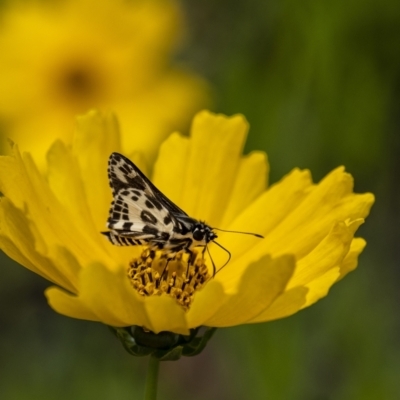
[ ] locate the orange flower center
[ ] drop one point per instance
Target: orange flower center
(180, 278)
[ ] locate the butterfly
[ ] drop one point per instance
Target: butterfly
(141, 215)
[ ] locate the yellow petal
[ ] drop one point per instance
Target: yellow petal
(97, 137)
(300, 297)
(66, 183)
(170, 174)
(214, 156)
(262, 216)
(108, 296)
(330, 201)
(165, 314)
(329, 253)
(262, 283)
(66, 304)
(250, 182)
(170, 167)
(287, 304)
(22, 183)
(216, 147)
(351, 259)
(207, 302)
(274, 205)
(319, 287)
(19, 243)
(306, 223)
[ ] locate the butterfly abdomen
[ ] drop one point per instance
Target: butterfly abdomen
(120, 240)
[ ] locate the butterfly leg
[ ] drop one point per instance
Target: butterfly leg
(192, 256)
(169, 257)
(189, 261)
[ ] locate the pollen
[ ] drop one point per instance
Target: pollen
(155, 274)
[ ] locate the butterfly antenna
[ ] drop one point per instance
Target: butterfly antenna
(244, 233)
(229, 253)
(212, 261)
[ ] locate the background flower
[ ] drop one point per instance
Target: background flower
(61, 58)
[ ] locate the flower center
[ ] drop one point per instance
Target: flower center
(79, 83)
(180, 278)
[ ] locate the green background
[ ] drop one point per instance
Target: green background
(319, 82)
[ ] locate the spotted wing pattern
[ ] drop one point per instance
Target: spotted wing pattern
(139, 212)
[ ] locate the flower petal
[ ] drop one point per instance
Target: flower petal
(287, 304)
(330, 201)
(250, 182)
(351, 259)
(22, 183)
(165, 314)
(275, 204)
(104, 294)
(211, 165)
(300, 297)
(169, 169)
(66, 183)
(19, 243)
(262, 216)
(97, 137)
(329, 253)
(206, 303)
(108, 296)
(216, 147)
(170, 174)
(66, 304)
(320, 286)
(262, 283)
(305, 224)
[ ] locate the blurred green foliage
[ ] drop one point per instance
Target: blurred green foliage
(319, 82)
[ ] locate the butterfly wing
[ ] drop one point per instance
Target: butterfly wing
(139, 210)
(123, 173)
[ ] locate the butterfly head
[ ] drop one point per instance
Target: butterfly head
(202, 233)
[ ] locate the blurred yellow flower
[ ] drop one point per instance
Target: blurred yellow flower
(58, 59)
(51, 224)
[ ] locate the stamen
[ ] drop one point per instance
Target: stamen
(180, 278)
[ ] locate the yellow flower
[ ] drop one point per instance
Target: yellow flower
(51, 224)
(59, 59)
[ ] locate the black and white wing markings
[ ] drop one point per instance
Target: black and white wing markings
(137, 210)
(140, 214)
(124, 174)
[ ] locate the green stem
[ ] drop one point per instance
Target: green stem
(152, 377)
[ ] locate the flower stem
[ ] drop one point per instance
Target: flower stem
(152, 377)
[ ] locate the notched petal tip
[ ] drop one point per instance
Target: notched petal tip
(95, 122)
(217, 124)
(95, 115)
(350, 262)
